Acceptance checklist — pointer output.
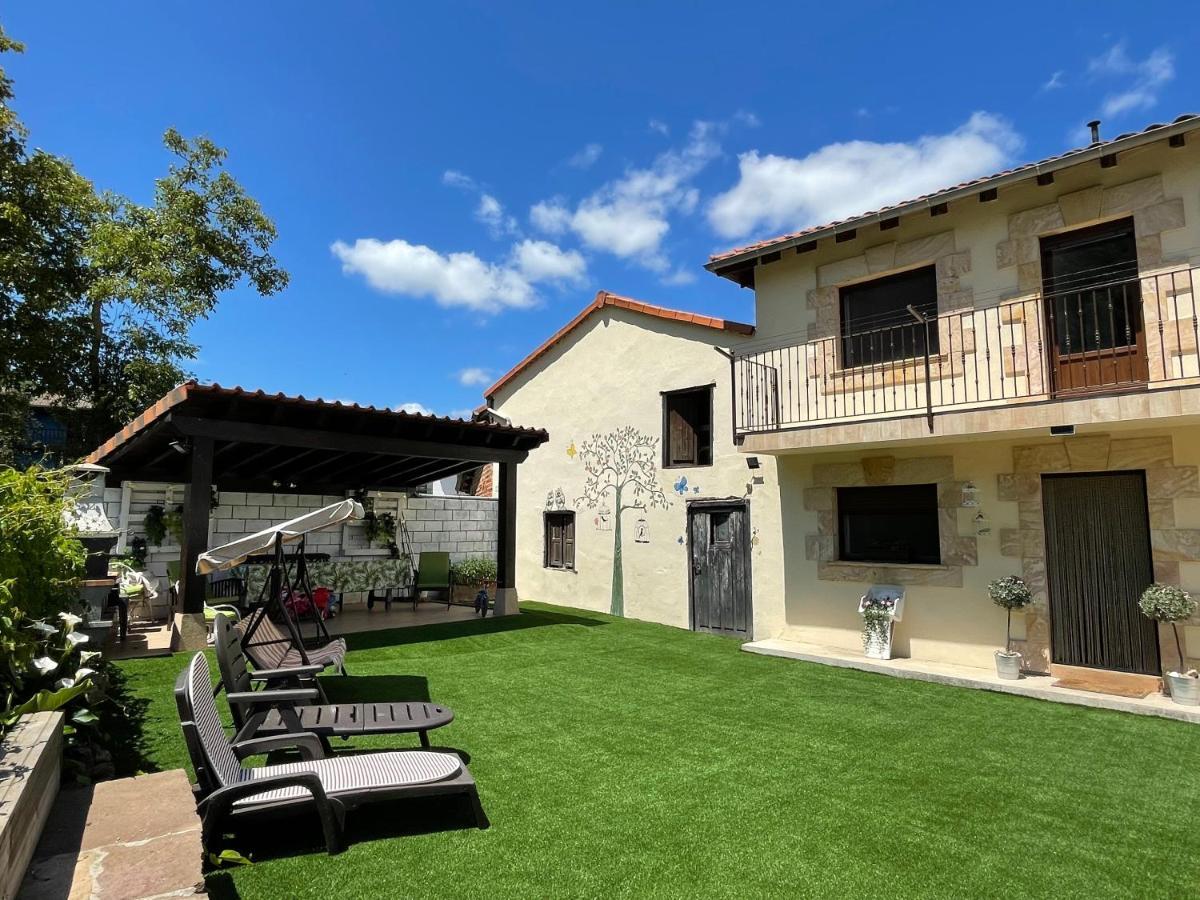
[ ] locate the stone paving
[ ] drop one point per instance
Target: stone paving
(119, 840)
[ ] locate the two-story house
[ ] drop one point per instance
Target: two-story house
(997, 378)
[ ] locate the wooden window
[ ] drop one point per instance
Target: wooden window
(876, 324)
(687, 427)
(559, 550)
(891, 524)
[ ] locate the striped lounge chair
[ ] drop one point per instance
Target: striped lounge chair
(292, 702)
(228, 791)
(270, 647)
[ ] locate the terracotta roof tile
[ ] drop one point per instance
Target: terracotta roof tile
(603, 299)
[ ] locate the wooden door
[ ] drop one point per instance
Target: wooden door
(719, 545)
(1093, 299)
(1098, 563)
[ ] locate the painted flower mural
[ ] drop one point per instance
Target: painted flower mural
(621, 465)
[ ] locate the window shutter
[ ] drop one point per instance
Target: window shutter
(555, 543)
(569, 543)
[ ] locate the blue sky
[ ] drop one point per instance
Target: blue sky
(452, 182)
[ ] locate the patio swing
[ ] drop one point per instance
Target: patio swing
(286, 595)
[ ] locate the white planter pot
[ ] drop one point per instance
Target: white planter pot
(1185, 690)
(876, 645)
(1008, 665)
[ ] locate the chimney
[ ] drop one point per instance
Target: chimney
(1095, 126)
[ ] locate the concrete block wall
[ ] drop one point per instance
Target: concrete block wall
(461, 526)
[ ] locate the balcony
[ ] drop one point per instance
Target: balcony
(1138, 335)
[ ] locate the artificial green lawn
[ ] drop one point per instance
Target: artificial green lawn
(618, 758)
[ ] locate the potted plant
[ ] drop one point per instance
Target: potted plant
(472, 575)
(879, 616)
(1168, 603)
(1010, 592)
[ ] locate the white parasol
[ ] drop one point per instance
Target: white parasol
(235, 552)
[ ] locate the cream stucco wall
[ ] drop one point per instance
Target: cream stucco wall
(950, 623)
(607, 374)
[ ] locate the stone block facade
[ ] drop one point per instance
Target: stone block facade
(1165, 483)
(957, 550)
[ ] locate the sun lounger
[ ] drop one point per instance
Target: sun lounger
(228, 791)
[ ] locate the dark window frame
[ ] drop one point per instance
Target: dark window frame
(872, 341)
(705, 437)
(917, 539)
(567, 516)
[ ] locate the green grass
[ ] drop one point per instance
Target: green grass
(618, 758)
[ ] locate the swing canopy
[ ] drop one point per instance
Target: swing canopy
(235, 552)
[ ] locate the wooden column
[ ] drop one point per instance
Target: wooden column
(196, 508)
(506, 540)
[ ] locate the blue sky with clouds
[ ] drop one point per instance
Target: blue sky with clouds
(452, 182)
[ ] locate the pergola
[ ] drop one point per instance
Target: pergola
(201, 435)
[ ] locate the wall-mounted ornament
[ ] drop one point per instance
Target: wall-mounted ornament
(641, 532)
(556, 499)
(970, 495)
(982, 525)
(603, 520)
(754, 539)
(681, 485)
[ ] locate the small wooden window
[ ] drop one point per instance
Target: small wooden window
(560, 540)
(889, 524)
(687, 428)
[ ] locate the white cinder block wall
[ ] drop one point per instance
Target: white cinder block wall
(462, 526)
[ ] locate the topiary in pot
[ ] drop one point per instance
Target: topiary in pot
(1010, 592)
(1168, 603)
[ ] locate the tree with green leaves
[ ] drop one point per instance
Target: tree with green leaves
(98, 294)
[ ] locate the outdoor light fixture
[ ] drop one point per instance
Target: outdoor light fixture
(752, 462)
(180, 447)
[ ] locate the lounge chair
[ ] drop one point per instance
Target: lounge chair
(432, 574)
(270, 647)
(291, 700)
(227, 790)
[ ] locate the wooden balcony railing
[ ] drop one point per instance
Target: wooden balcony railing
(1125, 335)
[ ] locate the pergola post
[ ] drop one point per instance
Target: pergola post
(191, 633)
(506, 541)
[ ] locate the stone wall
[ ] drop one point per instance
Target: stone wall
(1166, 482)
(462, 526)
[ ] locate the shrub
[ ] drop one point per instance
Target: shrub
(1010, 592)
(1168, 603)
(475, 571)
(40, 557)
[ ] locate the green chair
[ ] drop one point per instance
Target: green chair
(432, 574)
(210, 612)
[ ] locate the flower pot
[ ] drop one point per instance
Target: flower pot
(877, 645)
(1185, 690)
(1008, 665)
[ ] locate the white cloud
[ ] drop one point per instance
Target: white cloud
(1054, 82)
(456, 179)
(420, 408)
(659, 127)
(490, 212)
(747, 118)
(543, 261)
(586, 157)
(630, 216)
(550, 216)
(1143, 78)
(474, 377)
(459, 279)
(844, 179)
(464, 413)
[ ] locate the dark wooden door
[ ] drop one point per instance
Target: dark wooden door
(1094, 309)
(720, 575)
(1098, 563)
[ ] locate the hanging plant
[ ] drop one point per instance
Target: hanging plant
(155, 525)
(173, 520)
(379, 527)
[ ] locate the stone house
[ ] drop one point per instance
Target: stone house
(997, 378)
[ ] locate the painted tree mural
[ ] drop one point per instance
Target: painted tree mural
(623, 465)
